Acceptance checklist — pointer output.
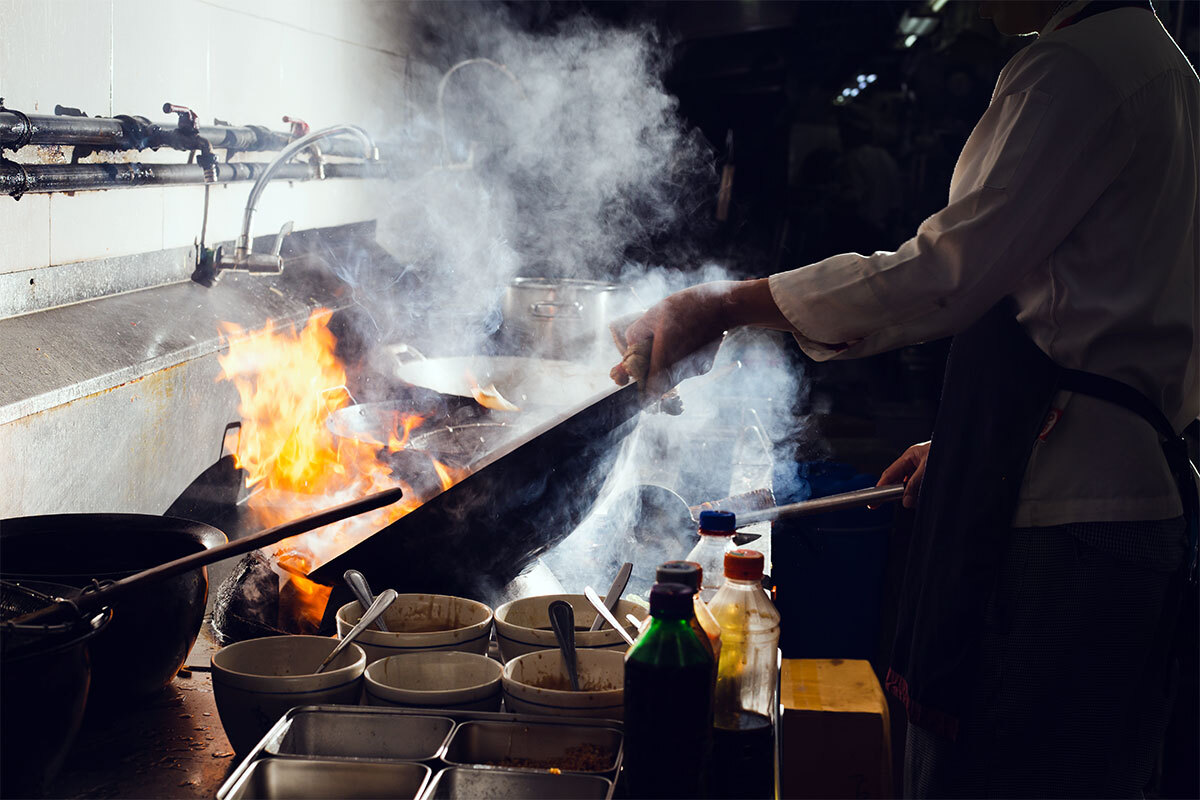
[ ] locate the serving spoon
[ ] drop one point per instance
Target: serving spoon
(385, 599)
(362, 591)
(603, 611)
(562, 619)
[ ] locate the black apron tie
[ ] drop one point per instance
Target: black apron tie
(996, 397)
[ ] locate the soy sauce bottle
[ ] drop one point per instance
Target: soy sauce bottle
(668, 701)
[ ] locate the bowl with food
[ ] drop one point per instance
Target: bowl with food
(256, 681)
(461, 681)
(523, 625)
(422, 623)
(537, 683)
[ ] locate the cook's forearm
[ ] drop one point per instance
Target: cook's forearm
(750, 303)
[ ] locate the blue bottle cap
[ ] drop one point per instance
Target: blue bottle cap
(720, 521)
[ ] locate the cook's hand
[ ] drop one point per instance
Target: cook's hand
(683, 331)
(910, 468)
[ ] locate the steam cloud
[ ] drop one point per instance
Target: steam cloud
(554, 158)
(564, 156)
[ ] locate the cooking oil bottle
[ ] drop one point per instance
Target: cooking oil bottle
(743, 742)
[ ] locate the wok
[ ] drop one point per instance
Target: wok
(45, 687)
(154, 628)
(523, 381)
(69, 542)
(461, 444)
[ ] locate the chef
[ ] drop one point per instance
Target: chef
(1051, 544)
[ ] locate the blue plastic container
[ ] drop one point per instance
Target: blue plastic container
(828, 569)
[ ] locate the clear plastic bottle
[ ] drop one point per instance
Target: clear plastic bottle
(689, 574)
(746, 677)
(716, 538)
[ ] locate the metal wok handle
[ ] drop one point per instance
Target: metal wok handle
(89, 600)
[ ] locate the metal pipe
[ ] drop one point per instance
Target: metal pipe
(441, 92)
(18, 179)
(304, 142)
(108, 133)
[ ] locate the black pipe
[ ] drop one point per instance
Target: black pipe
(18, 179)
(136, 133)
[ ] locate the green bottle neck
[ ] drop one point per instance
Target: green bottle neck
(669, 642)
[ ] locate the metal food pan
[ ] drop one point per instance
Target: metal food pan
(491, 742)
(463, 782)
(295, 779)
(346, 733)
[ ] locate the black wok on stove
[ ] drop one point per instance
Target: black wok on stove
(517, 503)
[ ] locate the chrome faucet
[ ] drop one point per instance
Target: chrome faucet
(272, 262)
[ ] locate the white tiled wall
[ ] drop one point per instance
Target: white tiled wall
(243, 61)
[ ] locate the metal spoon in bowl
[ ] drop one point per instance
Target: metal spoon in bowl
(614, 592)
(362, 590)
(562, 619)
(385, 599)
(595, 600)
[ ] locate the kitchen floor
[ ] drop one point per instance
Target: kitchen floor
(171, 745)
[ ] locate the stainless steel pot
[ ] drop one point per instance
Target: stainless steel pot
(562, 318)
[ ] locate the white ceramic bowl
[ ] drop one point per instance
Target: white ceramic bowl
(531, 684)
(462, 681)
(523, 626)
(422, 623)
(257, 680)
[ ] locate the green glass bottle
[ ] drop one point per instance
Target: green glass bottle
(668, 701)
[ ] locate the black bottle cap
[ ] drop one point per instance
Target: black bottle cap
(689, 573)
(671, 601)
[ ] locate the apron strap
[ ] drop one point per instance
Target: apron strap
(1174, 446)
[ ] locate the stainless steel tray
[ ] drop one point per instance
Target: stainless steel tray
(294, 779)
(311, 732)
(458, 782)
(490, 742)
(336, 735)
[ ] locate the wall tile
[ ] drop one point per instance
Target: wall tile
(35, 35)
(103, 224)
(183, 208)
(244, 69)
(24, 232)
(160, 54)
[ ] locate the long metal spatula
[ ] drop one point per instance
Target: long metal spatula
(89, 600)
(819, 505)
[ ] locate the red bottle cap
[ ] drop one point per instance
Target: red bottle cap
(744, 565)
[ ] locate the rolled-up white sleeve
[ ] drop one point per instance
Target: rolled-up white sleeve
(1049, 144)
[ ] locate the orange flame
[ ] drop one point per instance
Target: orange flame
(283, 379)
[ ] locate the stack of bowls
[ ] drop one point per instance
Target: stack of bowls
(523, 626)
(461, 681)
(422, 623)
(256, 681)
(431, 656)
(537, 683)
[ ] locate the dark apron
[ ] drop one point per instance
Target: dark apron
(996, 398)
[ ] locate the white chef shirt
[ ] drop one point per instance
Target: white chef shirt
(1076, 194)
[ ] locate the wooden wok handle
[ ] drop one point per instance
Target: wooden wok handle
(89, 600)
